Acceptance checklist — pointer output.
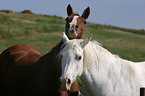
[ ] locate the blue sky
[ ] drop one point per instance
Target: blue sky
(122, 13)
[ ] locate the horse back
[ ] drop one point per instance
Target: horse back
(23, 55)
(12, 57)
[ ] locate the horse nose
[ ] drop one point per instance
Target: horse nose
(71, 31)
(68, 81)
(65, 83)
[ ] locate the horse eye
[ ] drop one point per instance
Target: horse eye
(79, 58)
(85, 22)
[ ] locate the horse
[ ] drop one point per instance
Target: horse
(103, 73)
(75, 24)
(25, 72)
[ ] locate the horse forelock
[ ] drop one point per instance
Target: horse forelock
(69, 45)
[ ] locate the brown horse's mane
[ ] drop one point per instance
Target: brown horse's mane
(51, 57)
(56, 49)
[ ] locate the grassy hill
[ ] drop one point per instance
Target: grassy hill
(44, 31)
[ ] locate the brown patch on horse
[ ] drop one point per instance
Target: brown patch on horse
(12, 61)
(75, 31)
(23, 55)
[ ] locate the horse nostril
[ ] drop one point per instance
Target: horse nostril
(72, 31)
(76, 26)
(68, 81)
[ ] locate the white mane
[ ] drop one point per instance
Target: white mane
(112, 75)
(96, 51)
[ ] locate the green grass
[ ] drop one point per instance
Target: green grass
(127, 45)
(41, 41)
(44, 31)
(47, 32)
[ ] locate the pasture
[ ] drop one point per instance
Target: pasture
(44, 31)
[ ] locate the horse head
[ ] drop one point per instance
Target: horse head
(75, 23)
(71, 60)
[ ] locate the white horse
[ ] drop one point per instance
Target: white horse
(103, 73)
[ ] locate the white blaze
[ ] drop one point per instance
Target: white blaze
(74, 21)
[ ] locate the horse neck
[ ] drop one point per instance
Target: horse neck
(50, 59)
(50, 70)
(54, 51)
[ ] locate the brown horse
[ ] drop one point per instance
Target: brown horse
(75, 23)
(25, 72)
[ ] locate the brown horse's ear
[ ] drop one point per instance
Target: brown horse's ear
(86, 13)
(69, 10)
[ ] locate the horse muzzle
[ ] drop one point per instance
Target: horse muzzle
(65, 84)
(72, 33)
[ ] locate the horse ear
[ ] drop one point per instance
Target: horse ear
(86, 13)
(69, 10)
(85, 42)
(65, 38)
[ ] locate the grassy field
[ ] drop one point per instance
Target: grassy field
(44, 31)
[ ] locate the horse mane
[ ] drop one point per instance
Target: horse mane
(57, 48)
(94, 52)
(95, 48)
(69, 45)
